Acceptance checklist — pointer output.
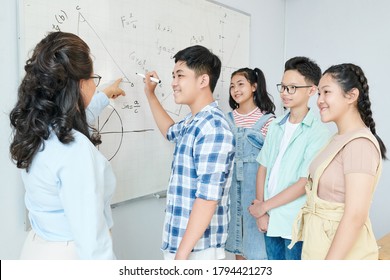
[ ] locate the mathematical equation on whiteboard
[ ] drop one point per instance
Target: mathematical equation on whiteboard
(130, 21)
(134, 107)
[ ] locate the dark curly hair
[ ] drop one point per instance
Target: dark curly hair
(261, 97)
(49, 97)
(350, 76)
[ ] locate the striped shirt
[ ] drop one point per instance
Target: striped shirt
(248, 120)
(201, 168)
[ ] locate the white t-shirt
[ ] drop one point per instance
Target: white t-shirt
(289, 130)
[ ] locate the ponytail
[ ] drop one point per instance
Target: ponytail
(261, 97)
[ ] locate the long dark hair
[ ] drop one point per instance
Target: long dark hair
(49, 96)
(261, 97)
(350, 76)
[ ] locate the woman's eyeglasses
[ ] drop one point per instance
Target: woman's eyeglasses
(96, 79)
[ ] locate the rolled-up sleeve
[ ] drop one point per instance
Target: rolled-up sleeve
(174, 131)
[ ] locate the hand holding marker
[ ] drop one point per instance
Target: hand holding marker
(153, 79)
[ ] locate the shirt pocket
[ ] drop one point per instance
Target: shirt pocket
(255, 138)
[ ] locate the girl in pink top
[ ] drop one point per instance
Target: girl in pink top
(253, 111)
(334, 221)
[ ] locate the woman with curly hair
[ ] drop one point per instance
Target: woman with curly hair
(68, 182)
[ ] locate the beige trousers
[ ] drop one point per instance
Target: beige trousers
(36, 248)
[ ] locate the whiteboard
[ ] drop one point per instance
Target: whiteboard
(129, 36)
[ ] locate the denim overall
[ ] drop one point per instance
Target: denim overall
(244, 238)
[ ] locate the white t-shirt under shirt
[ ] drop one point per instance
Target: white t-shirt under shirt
(289, 129)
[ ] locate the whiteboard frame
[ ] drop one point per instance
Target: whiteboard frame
(230, 8)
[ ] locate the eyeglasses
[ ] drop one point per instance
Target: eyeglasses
(96, 79)
(290, 89)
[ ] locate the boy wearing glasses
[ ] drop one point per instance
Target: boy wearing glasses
(291, 143)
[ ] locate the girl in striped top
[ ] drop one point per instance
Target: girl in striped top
(253, 111)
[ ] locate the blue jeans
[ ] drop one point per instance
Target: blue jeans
(277, 249)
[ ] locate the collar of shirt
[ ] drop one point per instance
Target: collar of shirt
(213, 105)
(308, 119)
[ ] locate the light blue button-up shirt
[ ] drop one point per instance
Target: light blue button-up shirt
(309, 137)
(68, 192)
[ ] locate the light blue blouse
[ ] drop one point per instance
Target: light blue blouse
(68, 192)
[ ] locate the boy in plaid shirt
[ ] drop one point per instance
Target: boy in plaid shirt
(196, 218)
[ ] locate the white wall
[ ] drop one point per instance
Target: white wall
(267, 39)
(138, 223)
(11, 189)
(356, 31)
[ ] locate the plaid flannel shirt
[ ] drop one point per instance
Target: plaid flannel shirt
(201, 168)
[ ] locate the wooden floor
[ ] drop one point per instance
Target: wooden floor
(384, 247)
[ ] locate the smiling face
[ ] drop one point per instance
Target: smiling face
(241, 90)
(185, 84)
(301, 95)
(332, 100)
